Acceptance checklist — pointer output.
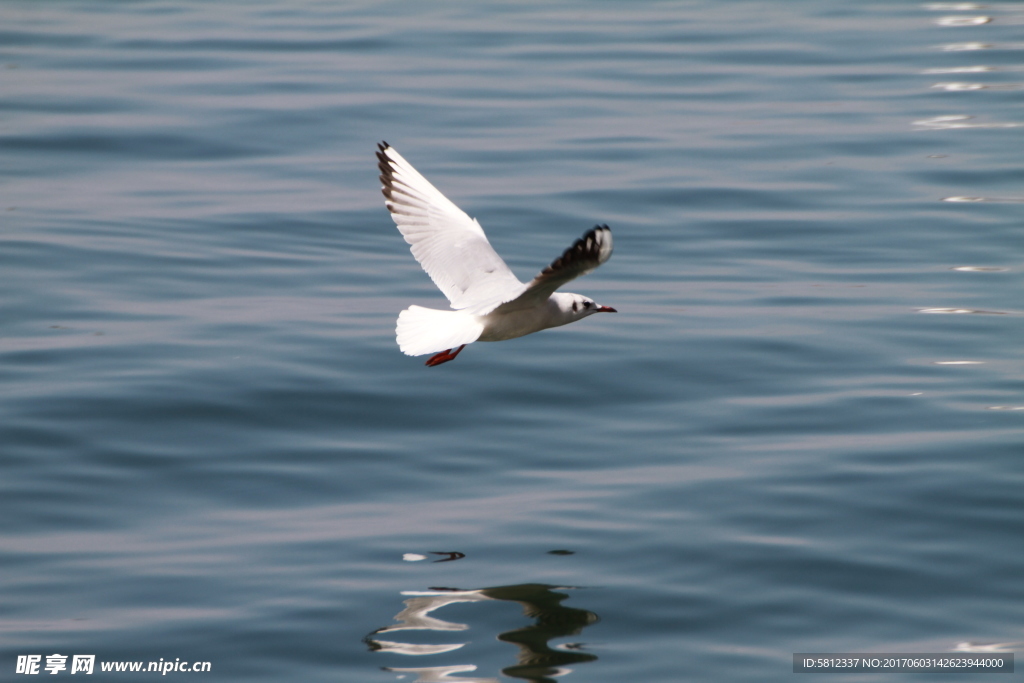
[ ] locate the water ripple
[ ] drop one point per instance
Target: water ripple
(959, 70)
(950, 121)
(966, 47)
(987, 647)
(953, 6)
(961, 87)
(971, 45)
(963, 21)
(211, 441)
(537, 656)
(957, 311)
(975, 200)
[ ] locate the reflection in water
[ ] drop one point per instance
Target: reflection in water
(1012, 200)
(962, 121)
(449, 556)
(953, 6)
(965, 47)
(959, 311)
(433, 674)
(959, 70)
(963, 21)
(446, 556)
(987, 647)
(536, 660)
(961, 87)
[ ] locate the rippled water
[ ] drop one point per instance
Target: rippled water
(801, 433)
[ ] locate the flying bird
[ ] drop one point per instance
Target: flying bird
(490, 303)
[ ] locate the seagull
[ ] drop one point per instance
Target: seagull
(490, 303)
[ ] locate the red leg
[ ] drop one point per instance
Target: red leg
(444, 357)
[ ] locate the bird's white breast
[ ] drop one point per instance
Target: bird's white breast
(501, 326)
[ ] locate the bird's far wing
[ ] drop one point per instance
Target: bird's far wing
(451, 246)
(586, 254)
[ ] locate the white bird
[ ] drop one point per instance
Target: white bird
(490, 303)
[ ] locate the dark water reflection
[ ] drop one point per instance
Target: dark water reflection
(536, 660)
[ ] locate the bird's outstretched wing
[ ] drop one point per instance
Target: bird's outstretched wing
(451, 246)
(586, 254)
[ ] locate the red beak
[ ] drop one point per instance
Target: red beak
(605, 309)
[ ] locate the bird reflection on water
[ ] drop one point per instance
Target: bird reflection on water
(536, 660)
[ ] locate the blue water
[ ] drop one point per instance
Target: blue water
(802, 432)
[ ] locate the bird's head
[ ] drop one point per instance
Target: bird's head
(579, 306)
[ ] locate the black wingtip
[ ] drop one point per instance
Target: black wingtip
(592, 233)
(386, 171)
(383, 162)
(586, 248)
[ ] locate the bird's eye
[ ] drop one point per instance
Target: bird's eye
(587, 304)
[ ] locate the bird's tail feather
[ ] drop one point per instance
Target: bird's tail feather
(427, 330)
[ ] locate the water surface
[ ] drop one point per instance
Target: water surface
(801, 433)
